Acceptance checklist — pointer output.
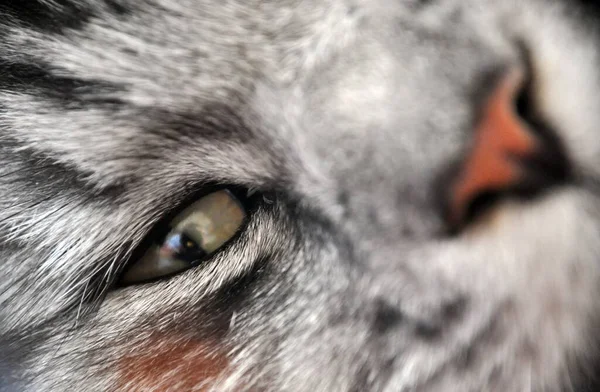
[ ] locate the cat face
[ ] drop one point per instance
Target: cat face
(411, 190)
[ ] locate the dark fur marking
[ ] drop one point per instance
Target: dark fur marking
(39, 80)
(41, 175)
(54, 17)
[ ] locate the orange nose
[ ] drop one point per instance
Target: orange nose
(501, 139)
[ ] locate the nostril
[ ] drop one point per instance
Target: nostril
(524, 102)
(513, 153)
(550, 164)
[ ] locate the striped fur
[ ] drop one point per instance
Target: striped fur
(339, 117)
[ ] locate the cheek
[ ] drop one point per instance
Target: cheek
(171, 365)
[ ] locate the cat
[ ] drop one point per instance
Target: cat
(299, 195)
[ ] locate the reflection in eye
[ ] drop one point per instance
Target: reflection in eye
(194, 234)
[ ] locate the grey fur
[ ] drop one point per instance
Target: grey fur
(343, 113)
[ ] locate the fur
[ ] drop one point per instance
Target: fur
(339, 117)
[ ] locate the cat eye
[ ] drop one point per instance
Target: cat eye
(190, 238)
